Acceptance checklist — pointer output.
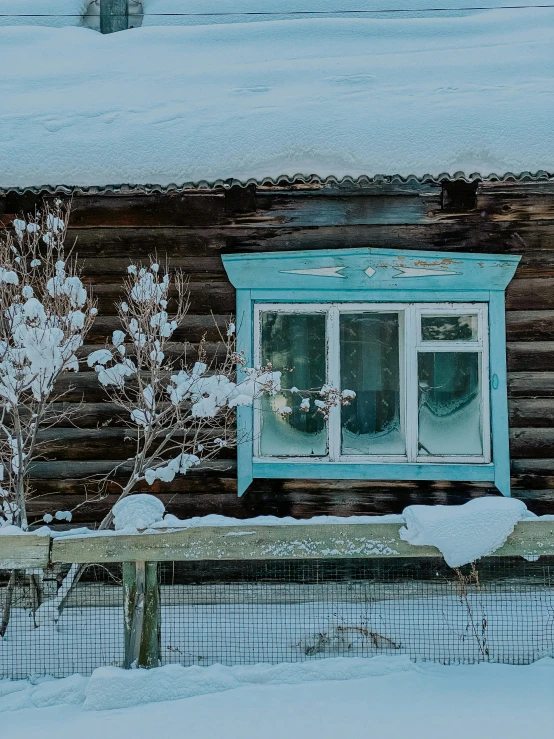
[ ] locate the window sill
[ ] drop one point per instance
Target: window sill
(323, 469)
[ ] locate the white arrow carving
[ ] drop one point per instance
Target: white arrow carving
(316, 272)
(423, 272)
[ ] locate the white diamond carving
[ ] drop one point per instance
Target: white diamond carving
(423, 272)
(316, 272)
(369, 271)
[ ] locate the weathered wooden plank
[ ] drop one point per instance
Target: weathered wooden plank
(173, 209)
(193, 328)
(74, 387)
(521, 202)
(273, 210)
(529, 538)
(21, 552)
(512, 187)
(114, 16)
(533, 240)
(532, 442)
(531, 412)
(140, 243)
(206, 296)
(537, 356)
(186, 352)
(531, 325)
(89, 415)
(141, 605)
(531, 384)
(95, 268)
(322, 209)
(57, 470)
(543, 466)
(532, 293)
(535, 477)
(357, 204)
(82, 444)
(348, 541)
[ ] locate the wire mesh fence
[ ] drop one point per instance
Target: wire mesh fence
(237, 613)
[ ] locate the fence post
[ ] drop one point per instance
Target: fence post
(114, 16)
(141, 603)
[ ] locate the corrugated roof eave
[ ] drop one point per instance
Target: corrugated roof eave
(312, 180)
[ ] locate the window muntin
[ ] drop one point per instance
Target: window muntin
(408, 407)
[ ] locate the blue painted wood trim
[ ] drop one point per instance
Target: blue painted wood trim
(336, 471)
(368, 269)
(499, 392)
(369, 296)
(373, 275)
(245, 414)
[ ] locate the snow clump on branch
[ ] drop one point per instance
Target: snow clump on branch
(45, 315)
(180, 415)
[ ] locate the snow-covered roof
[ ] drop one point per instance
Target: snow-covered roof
(357, 95)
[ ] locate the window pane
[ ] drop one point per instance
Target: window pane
(450, 403)
(369, 360)
(295, 344)
(449, 328)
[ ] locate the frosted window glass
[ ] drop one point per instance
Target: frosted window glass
(450, 328)
(369, 360)
(450, 415)
(295, 344)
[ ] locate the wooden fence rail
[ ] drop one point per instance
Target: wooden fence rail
(299, 541)
(140, 553)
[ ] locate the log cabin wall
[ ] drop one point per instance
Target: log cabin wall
(193, 228)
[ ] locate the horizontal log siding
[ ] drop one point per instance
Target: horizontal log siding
(193, 229)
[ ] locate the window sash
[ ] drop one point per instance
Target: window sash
(411, 345)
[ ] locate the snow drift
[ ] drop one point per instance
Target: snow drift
(332, 96)
(112, 687)
(464, 533)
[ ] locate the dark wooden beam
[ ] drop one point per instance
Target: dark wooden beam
(114, 16)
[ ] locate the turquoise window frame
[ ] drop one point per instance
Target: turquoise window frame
(374, 276)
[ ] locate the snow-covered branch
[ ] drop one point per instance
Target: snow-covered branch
(45, 313)
(181, 414)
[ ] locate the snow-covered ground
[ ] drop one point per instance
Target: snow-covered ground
(387, 697)
(342, 96)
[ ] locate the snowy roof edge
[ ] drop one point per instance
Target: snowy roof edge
(284, 181)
